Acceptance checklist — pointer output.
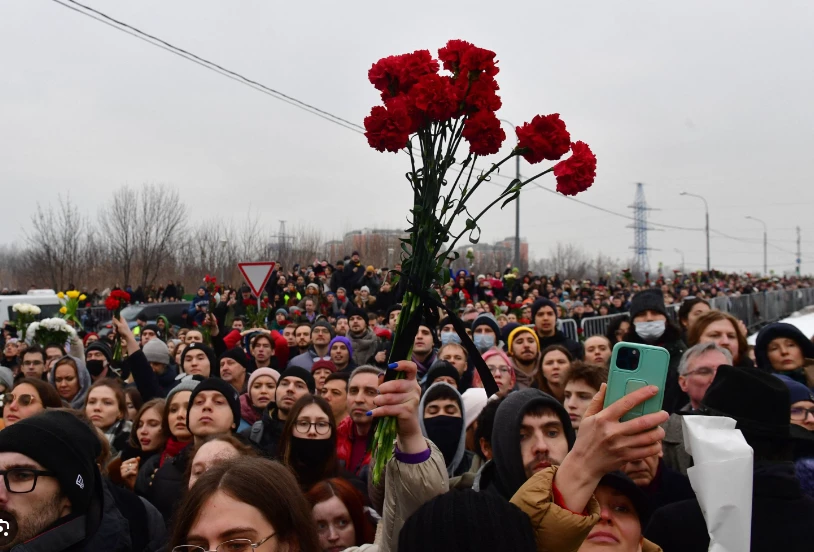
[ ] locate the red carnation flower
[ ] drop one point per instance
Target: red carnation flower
(544, 137)
(388, 128)
(436, 97)
(479, 60)
(578, 172)
(397, 74)
(482, 131)
(481, 95)
(452, 53)
(248, 302)
(111, 303)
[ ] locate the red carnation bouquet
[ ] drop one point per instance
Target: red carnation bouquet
(428, 114)
(115, 302)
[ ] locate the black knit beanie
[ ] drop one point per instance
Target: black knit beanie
(217, 384)
(64, 445)
(649, 299)
(467, 521)
(441, 368)
(237, 354)
(101, 346)
(356, 311)
(325, 324)
(540, 303)
(214, 366)
(303, 374)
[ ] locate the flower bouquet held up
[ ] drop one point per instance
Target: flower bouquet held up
(70, 304)
(429, 115)
(116, 301)
(25, 314)
(49, 331)
(210, 283)
(256, 318)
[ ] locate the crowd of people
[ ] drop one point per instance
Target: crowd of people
(233, 432)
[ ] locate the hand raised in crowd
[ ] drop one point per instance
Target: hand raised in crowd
(254, 330)
(129, 471)
(605, 444)
(212, 323)
(380, 357)
(399, 398)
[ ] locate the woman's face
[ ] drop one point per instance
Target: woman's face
(723, 334)
(339, 354)
(335, 527)
(209, 455)
(262, 391)
(223, 518)
(784, 354)
(178, 416)
(502, 374)
(132, 411)
(802, 414)
(103, 408)
(178, 351)
(149, 433)
(555, 364)
(619, 528)
(66, 382)
(16, 411)
(695, 313)
(312, 423)
(320, 376)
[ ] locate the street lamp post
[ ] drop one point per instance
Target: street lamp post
(706, 212)
(765, 242)
(516, 210)
(680, 252)
(223, 261)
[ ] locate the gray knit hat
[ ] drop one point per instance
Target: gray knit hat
(156, 351)
(187, 383)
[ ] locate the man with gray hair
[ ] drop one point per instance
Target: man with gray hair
(697, 369)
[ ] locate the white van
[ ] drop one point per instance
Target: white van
(45, 299)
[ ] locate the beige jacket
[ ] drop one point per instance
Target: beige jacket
(406, 488)
(557, 529)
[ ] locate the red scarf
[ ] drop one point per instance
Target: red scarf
(171, 450)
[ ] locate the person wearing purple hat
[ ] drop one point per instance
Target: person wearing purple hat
(341, 352)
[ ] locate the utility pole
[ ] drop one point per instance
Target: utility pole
(799, 253)
(765, 245)
(706, 211)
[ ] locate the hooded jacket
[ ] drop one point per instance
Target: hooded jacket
(803, 374)
(505, 473)
(462, 460)
(78, 402)
(266, 432)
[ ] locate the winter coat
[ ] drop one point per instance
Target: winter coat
(66, 537)
(265, 433)
(345, 437)
(114, 533)
(559, 338)
(306, 359)
(364, 346)
(163, 486)
(781, 516)
(676, 456)
(406, 488)
(353, 274)
(118, 434)
(129, 523)
(668, 487)
(556, 528)
(248, 413)
(462, 460)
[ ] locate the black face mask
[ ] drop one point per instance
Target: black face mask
(445, 432)
(95, 367)
(311, 453)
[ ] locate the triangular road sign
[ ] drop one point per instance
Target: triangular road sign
(257, 275)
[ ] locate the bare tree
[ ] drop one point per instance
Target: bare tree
(161, 218)
(119, 225)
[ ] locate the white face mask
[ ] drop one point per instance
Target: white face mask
(450, 337)
(650, 331)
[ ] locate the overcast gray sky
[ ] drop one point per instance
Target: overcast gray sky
(714, 98)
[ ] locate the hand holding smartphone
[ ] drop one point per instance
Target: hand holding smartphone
(634, 366)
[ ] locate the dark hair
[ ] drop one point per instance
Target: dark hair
(47, 392)
(157, 404)
(710, 317)
(687, 306)
(329, 465)
(34, 349)
(267, 486)
(135, 397)
(342, 376)
(118, 390)
(439, 392)
(243, 449)
(485, 422)
(165, 417)
(353, 500)
(262, 335)
(303, 324)
(59, 346)
(591, 374)
(542, 383)
(613, 327)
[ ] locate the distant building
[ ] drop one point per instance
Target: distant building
(377, 246)
(492, 257)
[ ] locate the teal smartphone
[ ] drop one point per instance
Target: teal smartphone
(632, 367)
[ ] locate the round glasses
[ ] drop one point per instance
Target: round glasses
(234, 545)
(22, 400)
(304, 426)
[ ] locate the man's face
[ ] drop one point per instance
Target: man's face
(455, 356)
(542, 442)
(146, 336)
(578, 395)
(289, 390)
(302, 335)
(342, 326)
(442, 407)
(357, 323)
(545, 320)
(196, 363)
(526, 313)
(355, 258)
(231, 371)
(336, 393)
(392, 320)
(597, 350)
(10, 350)
(700, 373)
(361, 391)
(512, 318)
(193, 336)
(288, 334)
(237, 325)
(309, 306)
(34, 511)
(210, 414)
(320, 335)
(423, 341)
(642, 472)
(262, 349)
(524, 347)
(33, 365)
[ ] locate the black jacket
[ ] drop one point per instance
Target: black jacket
(668, 487)
(781, 517)
(164, 486)
(559, 338)
(674, 398)
(65, 537)
(265, 433)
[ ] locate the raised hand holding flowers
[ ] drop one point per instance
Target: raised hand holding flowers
(25, 314)
(116, 301)
(428, 115)
(70, 304)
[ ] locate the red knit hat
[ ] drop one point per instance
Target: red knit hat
(322, 363)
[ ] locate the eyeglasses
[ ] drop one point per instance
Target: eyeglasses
(304, 426)
(234, 545)
(495, 370)
(33, 363)
(703, 372)
(799, 414)
(22, 400)
(23, 480)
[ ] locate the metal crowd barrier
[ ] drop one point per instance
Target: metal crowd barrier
(598, 325)
(569, 328)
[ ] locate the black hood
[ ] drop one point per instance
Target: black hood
(510, 473)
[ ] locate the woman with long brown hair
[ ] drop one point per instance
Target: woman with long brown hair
(308, 442)
(554, 364)
(725, 331)
(339, 512)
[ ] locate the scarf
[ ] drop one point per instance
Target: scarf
(172, 449)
